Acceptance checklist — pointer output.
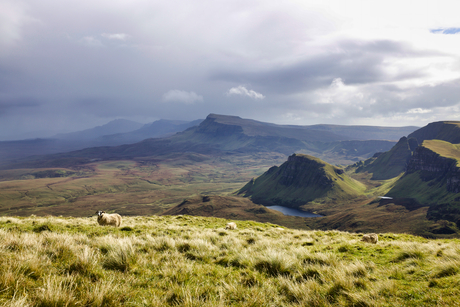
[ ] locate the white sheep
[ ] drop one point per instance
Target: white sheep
(105, 219)
(371, 238)
(231, 226)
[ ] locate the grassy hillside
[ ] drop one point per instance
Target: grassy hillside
(300, 180)
(389, 164)
(193, 261)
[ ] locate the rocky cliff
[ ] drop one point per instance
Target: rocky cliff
(433, 166)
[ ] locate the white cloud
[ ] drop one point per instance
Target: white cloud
(182, 96)
(419, 111)
(116, 36)
(341, 94)
(13, 18)
(91, 41)
(243, 91)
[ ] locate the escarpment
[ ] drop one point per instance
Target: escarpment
(433, 166)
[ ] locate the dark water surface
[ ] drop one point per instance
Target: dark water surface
(294, 212)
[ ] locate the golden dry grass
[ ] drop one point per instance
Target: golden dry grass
(194, 261)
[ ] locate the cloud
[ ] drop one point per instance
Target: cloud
(115, 36)
(243, 91)
(17, 104)
(419, 111)
(91, 41)
(356, 61)
(445, 31)
(182, 96)
(13, 18)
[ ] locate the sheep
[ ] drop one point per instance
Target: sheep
(231, 226)
(371, 238)
(105, 219)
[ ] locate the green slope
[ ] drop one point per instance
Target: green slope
(389, 164)
(300, 180)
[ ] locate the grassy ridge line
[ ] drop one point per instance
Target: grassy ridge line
(444, 148)
(193, 261)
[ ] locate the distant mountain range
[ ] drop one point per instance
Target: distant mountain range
(116, 132)
(227, 134)
(114, 126)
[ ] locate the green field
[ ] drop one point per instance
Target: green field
(135, 187)
(194, 261)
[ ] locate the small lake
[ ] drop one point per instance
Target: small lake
(294, 212)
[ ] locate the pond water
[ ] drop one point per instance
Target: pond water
(294, 212)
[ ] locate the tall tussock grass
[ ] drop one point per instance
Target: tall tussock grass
(162, 262)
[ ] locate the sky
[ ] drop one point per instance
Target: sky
(72, 65)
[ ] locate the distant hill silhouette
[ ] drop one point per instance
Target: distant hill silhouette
(219, 134)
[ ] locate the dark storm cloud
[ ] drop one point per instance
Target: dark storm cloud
(353, 61)
(17, 104)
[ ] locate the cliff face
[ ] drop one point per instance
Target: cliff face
(433, 166)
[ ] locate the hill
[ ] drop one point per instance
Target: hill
(299, 180)
(194, 261)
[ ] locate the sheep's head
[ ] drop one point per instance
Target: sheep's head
(100, 213)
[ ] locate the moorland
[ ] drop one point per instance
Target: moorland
(193, 261)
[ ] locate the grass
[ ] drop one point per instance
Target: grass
(139, 187)
(157, 261)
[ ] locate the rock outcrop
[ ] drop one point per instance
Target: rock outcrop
(433, 166)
